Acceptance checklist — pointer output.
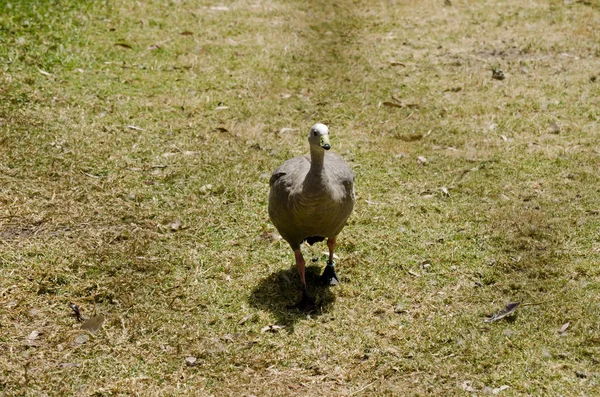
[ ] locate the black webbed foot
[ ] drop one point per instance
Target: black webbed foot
(329, 277)
(306, 305)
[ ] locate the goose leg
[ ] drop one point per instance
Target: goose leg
(329, 277)
(307, 304)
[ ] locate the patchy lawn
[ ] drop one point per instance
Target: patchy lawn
(136, 145)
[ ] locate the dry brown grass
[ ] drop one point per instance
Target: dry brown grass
(114, 124)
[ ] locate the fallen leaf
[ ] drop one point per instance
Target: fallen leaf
(222, 129)
(421, 160)
(186, 33)
(153, 47)
(33, 336)
(466, 386)
(445, 191)
(191, 361)
(497, 390)
(93, 324)
(507, 311)
(81, 339)
(134, 127)
(272, 328)
(175, 225)
(69, 365)
(396, 63)
(206, 188)
(124, 45)
(221, 107)
(563, 329)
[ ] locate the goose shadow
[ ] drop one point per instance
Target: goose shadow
(280, 290)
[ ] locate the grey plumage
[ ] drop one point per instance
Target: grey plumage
(307, 203)
(312, 197)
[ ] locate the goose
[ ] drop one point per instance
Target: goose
(310, 199)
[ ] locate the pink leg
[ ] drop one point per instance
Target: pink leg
(307, 304)
(300, 264)
(331, 245)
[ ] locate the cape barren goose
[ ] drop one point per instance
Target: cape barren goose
(311, 199)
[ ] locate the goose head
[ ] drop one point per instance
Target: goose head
(318, 137)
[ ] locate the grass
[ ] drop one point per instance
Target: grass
(136, 143)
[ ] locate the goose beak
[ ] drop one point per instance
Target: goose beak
(325, 142)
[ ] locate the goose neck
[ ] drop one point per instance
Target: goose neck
(317, 156)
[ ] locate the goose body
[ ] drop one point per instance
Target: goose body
(311, 198)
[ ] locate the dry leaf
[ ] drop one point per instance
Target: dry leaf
(243, 320)
(81, 339)
(497, 390)
(153, 47)
(93, 324)
(190, 361)
(466, 386)
(186, 33)
(134, 127)
(175, 225)
(272, 328)
(392, 104)
(68, 365)
(33, 336)
(396, 63)
(563, 329)
(206, 188)
(507, 311)
(445, 191)
(421, 160)
(124, 45)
